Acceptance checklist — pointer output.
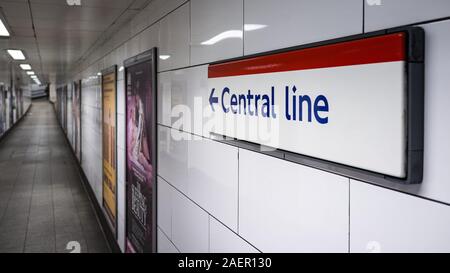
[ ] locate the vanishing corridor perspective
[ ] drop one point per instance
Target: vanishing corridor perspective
(224, 126)
(43, 203)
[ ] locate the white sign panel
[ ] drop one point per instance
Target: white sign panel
(345, 103)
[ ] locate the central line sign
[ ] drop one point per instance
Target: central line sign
(347, 103)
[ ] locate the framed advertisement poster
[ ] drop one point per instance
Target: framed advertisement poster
(76, 119)
(14, 104)
(11, 106)
(2, 110)
(64, 107)
(109, 144)
(140, 169)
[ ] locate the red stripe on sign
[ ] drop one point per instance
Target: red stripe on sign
(386, 48)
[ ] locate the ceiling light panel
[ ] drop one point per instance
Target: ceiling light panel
(16, 54)
(3, 30)
(25, 66)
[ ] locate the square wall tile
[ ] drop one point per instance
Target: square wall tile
(273, 25)
(164, 244)
(287, 207)
(213, 179)
(149, 38)
(216, 30)
(165, 206)
(132, 47)
(190, 226)
(384, 220)
(183, 95)
(172, 159)
(157, 9)
(380, 14)
(204, 170)
(223, 240)
(174, 39)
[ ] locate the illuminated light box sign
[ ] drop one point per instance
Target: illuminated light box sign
(354, 104)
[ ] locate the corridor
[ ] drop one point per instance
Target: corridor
(43, 204)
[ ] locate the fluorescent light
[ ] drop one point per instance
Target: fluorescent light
(250, 27)
(3, 30)
(222, 36)
(121, 68)
(30, 72)
(164, 57)
(16, 54)
(25, 66)
(99, 74)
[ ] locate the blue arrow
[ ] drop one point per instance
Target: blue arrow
(213, 99)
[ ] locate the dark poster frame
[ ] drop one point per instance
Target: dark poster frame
(13, 106)
(114, 226)
(64, 104)
(2, 110)
(18, 91)
(10, 115)
(75, 84)
(150, 57)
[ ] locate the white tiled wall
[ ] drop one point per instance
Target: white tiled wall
(174, 36)
(211, 20)
(91, 128)
(387, 221)
(206, 171)
(7, 79)
(190, 225)
(296, 22)
(188, 87)
(294, 209)
(216, 198)
(165, 206)
(381, 14)
(164, 244)
(223, 240)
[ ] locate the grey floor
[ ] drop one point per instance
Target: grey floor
(43, 205)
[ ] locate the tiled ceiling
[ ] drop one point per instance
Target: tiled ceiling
(62, 33)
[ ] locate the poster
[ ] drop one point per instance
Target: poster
(64, 107)
(109, 139)
(2, 110)
(20, 102)
(11, 107)
(76, 119)
(69, 113)
(141, 153)
(58, 104)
